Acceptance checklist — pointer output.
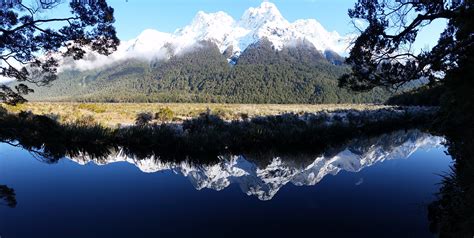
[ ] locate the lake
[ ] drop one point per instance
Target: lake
(372, 187)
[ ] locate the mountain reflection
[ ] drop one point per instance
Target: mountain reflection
(263, 175)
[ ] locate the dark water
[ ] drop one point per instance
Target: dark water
(372, 187)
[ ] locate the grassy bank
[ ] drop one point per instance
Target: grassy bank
(208, 135)
(112, 114)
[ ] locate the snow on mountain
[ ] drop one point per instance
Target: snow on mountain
(264, 21)
(257, 23)
(148, 43)
(216, 27)
(265, 181)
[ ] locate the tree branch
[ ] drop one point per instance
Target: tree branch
(418, 20)
(32, 23)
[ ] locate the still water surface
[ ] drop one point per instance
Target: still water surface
(372, 187)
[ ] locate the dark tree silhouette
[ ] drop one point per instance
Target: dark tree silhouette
(452, 213)
(383, 54)
(30, 47)
(8, 196)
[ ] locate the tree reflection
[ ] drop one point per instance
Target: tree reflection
(452, 214)
(7, 196)
(203, 139)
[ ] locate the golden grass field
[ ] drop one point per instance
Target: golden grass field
(113, 114)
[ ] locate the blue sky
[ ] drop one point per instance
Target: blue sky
(134, 16)
(164, 15)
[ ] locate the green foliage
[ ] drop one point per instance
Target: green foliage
(374, 62)
(382, 56)
(164, 114)
(27, 39)
(423, 96)
(457, 104)
(262, 75)
(224, 114)
(333, 57)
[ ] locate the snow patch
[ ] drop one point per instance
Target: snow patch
(264, 21)
(265, 181)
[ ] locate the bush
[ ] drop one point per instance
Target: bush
(164, 114)
(225, 114)
(54, 117)
(143, 118)
(424, 96)
(86, 120)
(25, 115)
(3, 111)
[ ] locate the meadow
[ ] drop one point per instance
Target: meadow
(115, 114)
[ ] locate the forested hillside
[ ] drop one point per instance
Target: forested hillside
(297, 74)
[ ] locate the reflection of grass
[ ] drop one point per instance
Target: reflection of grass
(111, 114)
(451, 214)
(205, 135)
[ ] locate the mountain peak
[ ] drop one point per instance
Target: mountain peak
(257, 23)
(214, 27)
(268, 6)
(212, 18)
(265, 13)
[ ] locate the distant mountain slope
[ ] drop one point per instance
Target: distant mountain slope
(261, 58)
(262, 74)
(232, 37)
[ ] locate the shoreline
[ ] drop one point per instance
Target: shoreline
(118, 114)
(208, 134)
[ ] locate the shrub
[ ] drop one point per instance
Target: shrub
(424, 96)
(3, 111)
(25, 115)
(54, 117)
(85, 120)
(143, 118)
(164, 114)
(224, 114)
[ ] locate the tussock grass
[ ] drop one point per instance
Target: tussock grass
(207, 135)
(113, 114)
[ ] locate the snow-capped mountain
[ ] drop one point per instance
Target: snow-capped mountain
(264, 181)
(256, 24)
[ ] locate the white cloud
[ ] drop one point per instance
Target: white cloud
(264, 21)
